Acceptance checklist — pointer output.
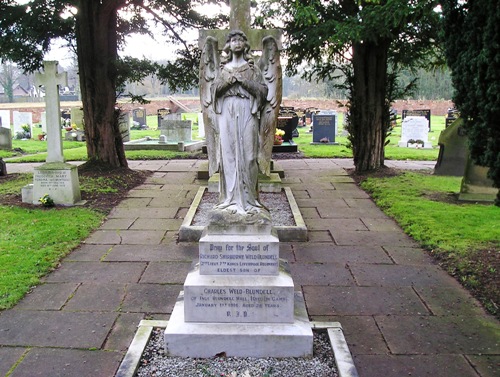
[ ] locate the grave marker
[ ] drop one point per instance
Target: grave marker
(139, 117)
(55, 178)
(22, 119)
(324, 127)
(414, 132)
(5, 138)
(453, 150)
(5, 119)
(426, 113)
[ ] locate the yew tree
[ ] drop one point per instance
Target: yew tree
(472, 35)
(369, 42)
(96, 30)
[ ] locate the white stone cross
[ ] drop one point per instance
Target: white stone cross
(240, 20)
(51, 80)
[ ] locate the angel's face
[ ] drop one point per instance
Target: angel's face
(237, 44)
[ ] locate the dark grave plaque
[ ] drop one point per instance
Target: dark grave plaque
(324, 129)
(139, 116)
(161, 113)
(418, 113)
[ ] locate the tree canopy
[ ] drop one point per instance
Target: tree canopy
(97, 30)
(472, 33)
(369, 42)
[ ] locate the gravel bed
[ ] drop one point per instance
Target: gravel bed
(277, 203)
(154, 363)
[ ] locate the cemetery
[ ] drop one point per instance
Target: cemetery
(237, 234)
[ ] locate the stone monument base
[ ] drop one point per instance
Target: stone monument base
(59, 180)
(193, 339)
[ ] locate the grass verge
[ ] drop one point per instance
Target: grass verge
(464, 238)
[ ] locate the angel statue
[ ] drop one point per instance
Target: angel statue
(240, 101)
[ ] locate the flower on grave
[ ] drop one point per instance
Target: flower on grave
(278, 136)
(46, 201)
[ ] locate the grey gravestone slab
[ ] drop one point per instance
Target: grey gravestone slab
(340, 254)
(139, 116)
(486, 365)
(54, 328)
(48, 296)
(476, 186)
(408, 255)
(320, 274)
(166, 272)
(413, 365)
(324, 129)
(449, 300)
(123, 331)
(426, 113)
(399, 276)
(97, 297)
(63, 363)
(157, 253)
(361, 333)
(8, 358)
(58, 180)
(176, 130)
(371, 238)
(434, 335)
(5, 138)
(414, 128)
(322, 300)
(20, 119)
(77, 117)
(98, 272)
(5, 120)
(453, 150)
(151, 298)
(161, 114)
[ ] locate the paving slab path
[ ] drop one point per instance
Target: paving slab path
(401, 314)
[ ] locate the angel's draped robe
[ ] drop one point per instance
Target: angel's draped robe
(238, 115)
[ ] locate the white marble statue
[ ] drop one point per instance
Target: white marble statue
(241, 102)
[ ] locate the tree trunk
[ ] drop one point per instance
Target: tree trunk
(96, 36)
(369, 113)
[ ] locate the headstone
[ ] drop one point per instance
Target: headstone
(139, 117)
(5, 119)
(77, 117)
(124, 126)
(476, 186)
(239, 301)
(22, 119)
(66, 117)
(5, 138)
(43, 121)
(414, 132)
(288, 120)
(161, 114)
(324, 128)
(451, 116)
(176, 130)
(55, 178)
(426, 113)
(453, 150)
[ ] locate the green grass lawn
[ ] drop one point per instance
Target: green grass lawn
(465, 237)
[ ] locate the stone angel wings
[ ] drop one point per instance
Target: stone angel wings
(270, 67)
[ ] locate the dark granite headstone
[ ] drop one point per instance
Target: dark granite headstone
(288, 122)
(161, 113)
(451, 116)
(452, 150)
(324, 129)
(417, 113)
(3, 167)
(139, 117)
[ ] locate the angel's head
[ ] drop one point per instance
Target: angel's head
(232, 37)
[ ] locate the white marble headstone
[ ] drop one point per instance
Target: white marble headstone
(415, 128)
(5, 116)
(20, 119)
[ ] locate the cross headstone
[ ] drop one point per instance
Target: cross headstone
(240, 17)
(51, 79)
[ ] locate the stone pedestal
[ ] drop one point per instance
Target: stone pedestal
(59, 180)
(239, 300)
